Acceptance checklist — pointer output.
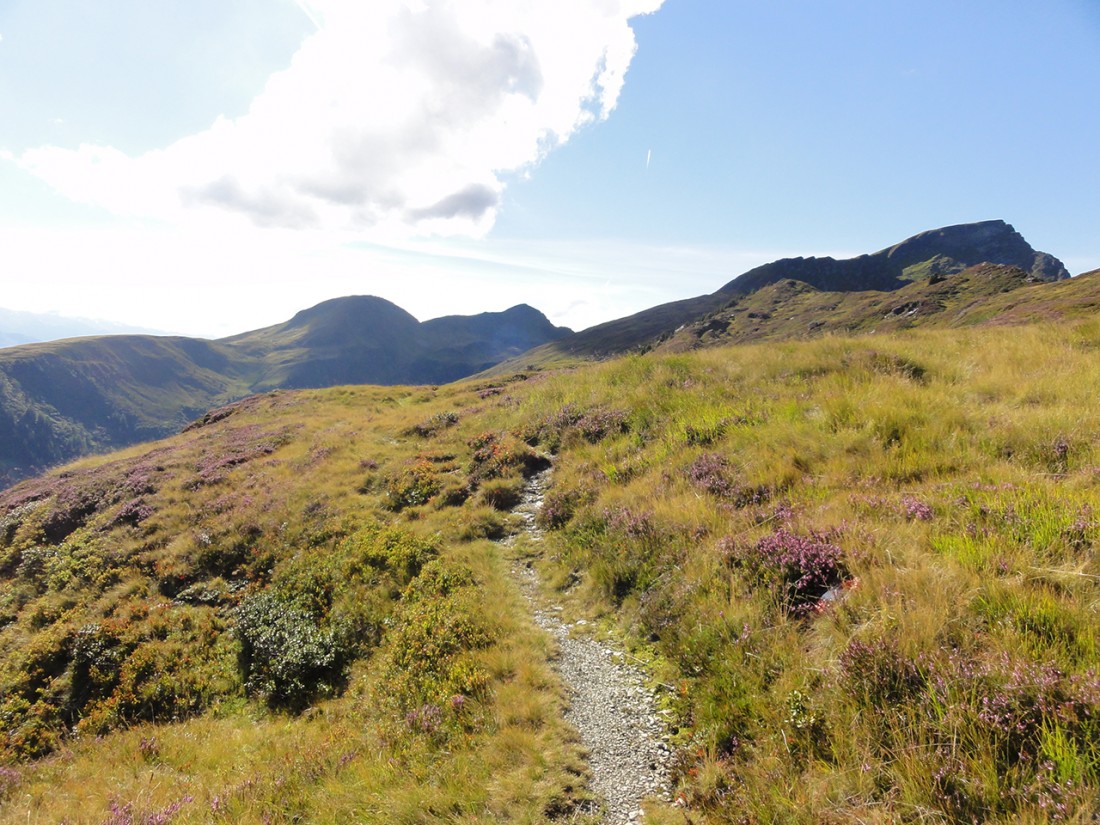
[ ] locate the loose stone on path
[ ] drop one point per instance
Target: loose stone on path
(609, 704)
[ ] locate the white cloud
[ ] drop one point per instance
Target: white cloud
(394, 117)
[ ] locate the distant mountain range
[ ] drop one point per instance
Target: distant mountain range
(17, 327)
(62, 399)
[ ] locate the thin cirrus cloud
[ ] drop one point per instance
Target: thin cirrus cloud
(399, 116)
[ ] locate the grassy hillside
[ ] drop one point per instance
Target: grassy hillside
(863, 571)
(855, 286)
(69, 398)
(64, 398)
(791, 309)
(984, 294)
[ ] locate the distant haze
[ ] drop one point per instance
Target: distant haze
(18, 327)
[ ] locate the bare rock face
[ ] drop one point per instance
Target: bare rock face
(969, 244)
(937, 252)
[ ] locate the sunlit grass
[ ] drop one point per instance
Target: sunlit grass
(948, 673)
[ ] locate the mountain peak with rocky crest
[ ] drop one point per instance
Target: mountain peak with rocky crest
(936, 252)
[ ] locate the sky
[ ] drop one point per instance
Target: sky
(207, 167)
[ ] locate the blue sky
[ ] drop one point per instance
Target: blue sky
(211, 166)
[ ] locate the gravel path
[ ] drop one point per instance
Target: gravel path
(610, 706)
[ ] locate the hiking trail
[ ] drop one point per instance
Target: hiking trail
(610, 706)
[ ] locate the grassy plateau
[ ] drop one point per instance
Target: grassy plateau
(862, 572)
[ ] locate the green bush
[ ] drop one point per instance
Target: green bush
(428, 656)
(287, 658)
(417, 484)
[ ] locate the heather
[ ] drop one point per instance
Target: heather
(862, 573)
(864, 569)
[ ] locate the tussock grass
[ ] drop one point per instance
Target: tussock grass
(864, 572)
(958, 475)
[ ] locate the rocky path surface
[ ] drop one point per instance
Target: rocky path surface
(609, 704)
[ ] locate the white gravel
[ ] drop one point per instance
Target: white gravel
(610, 706)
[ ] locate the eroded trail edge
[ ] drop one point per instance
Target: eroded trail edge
(610, 706)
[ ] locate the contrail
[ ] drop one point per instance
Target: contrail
(648, 157)
(308, 11)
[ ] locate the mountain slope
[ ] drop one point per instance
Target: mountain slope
(67, 398)
(944, 251)
(932, 254)
(96, 393)
(863, 571)
(984, 294)
(63, 399)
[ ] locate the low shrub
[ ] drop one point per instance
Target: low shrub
(415, 485)
(625, 550)
(501, 494)
(288, 660)
(878, 674)
(433, 424)
(559, 505)
(713, 473)
(799, 570)
(383, 547)
(499, 454)
(592, 425)
(429, 652)
(473, 523)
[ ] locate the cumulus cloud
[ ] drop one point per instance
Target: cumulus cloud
(395, 116)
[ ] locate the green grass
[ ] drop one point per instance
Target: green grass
(63, 399)
(941, 486)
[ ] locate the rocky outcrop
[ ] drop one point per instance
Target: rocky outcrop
(937, 252)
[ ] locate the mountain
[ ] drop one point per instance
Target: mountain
(368, 340)
(67, 398)
(938, 252)
(859, 574)
(933, 254)
(17, 327)
(982, 294)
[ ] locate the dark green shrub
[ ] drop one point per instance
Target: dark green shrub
(288, 660)
(98, 654)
